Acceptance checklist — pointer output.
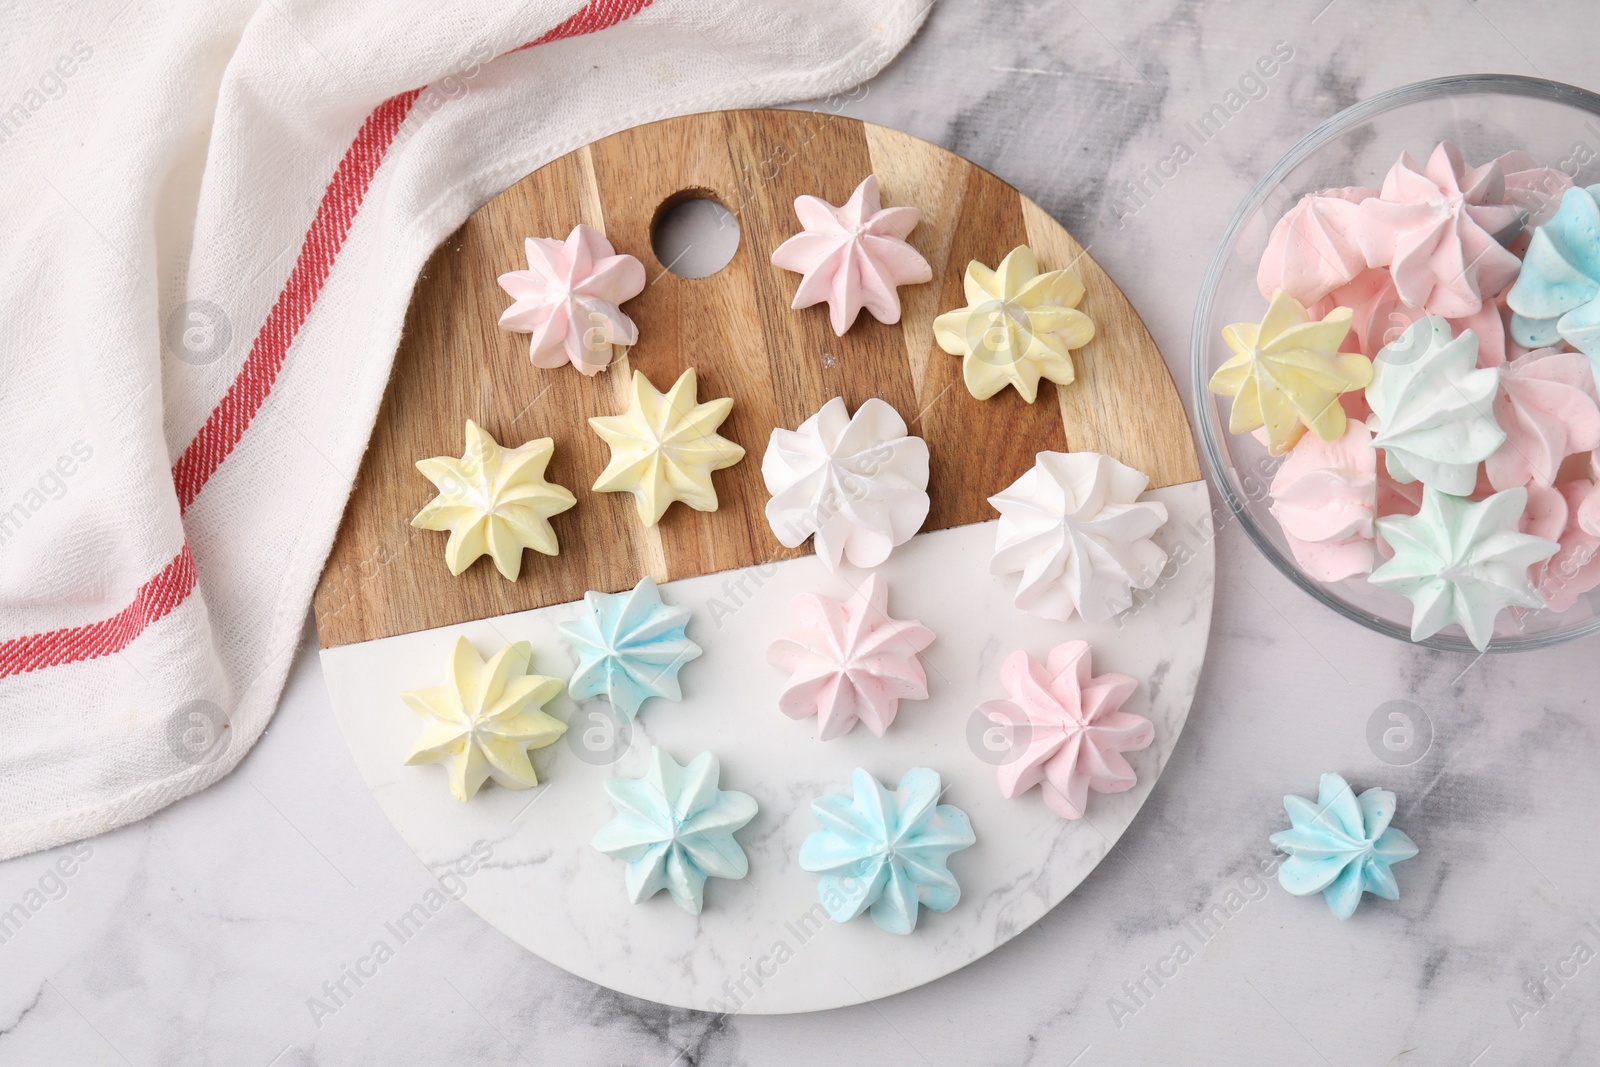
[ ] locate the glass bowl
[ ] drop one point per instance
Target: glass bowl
(1486, 115)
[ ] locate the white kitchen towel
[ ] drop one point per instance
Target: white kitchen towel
(213, 218)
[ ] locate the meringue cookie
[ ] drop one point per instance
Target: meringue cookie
(1462, 561)
(1553, 514)
(1342, 845)
(1433, 407)
(630, 647)
(483, 722)
(1287, 373)
(493, 500)
(1557, 296)
(1436, 229)
(1018, 326)
(1313, 248)
(1075, 528)
(853, 256)
(1324, 495)
(1535, 190)
(1549, 410)
(886, 853)
(665, 446)
(1379, 316)
(674, 827)
(567, 299)
(1067, 728)
(850, 661)
(859, 483)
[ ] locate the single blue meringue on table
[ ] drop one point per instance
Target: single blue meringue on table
(674, 827)
(1462, 561)
(630, 647)
(886, 853)
(1342, 845)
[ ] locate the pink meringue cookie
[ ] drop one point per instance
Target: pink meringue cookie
(850, 661)
(1549, 410)
(853, 256)
(1067, 729)
(1378, 316)
(567, 299)
(1324, 495)
(1313, 248)
(1554, 514)
(1436, 228)
(1534, 189)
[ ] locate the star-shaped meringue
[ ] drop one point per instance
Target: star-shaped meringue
(493, 500)
(1074, 525)
(567, 299)
(853, 256)
(850, 661)
(1342, 845)
(1018, 326)
(1067, 730)
(1462, 561)
(886, 853)
(665, 446)
(674, 827)
(1548, 410)
(1287, 373)
(630, 647)
(858, 482)
(482, 724)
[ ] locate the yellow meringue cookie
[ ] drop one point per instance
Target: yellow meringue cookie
(481, 724)
(493, 500)
(1287, 373)
(1018, 326)
(665, 446)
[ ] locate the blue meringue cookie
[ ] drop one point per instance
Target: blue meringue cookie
(630, 647)
(1556, 297)
(675, 828)
(1342, 845)
(886, 852)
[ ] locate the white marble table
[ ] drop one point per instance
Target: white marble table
(200, 935)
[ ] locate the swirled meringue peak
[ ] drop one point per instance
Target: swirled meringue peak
(1067, 730)
(850, 660)
(1554, 514)
(1342, 846)
(495, 501)
(665, 446)
(1438, 229)
(630, 647)
(482, 723)
(567, 299)
(674, 828)
(1549, 410)
(1462, 561)
(886, 852)
(1433, 407)
(1557, 296)
(1075, 528)
(1018, 326)
(859, 483)
(1313, 248)
(1286, 374)
(1379, 316)
(853, 256)
(1324, 495)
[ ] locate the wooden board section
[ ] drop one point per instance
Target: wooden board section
(735, 328)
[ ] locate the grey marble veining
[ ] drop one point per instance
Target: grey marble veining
(199, 936)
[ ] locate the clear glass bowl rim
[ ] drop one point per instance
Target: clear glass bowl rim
(1211, 432)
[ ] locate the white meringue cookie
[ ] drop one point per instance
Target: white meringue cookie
(1075, 528)
(858, 483)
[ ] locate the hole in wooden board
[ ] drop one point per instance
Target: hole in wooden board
(695, 236)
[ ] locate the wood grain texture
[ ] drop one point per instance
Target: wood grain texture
(735, 328)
